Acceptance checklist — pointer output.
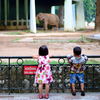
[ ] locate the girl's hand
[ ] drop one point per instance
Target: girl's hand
(51, 55)
(35, 56)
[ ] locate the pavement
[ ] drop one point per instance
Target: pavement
(52, 96)
(94, 37)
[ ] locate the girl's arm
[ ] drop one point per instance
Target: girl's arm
(50, 55)
(35, 56)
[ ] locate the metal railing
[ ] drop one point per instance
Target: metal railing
(12, 79)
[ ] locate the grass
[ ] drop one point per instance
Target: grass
(35, 41)
(38, 31)
(90, 41)
(29, 62)
(26, 62)
(42, 31)
(61, 41)
(73, 41)
(14, 33)
(82, 29)
(55, 41)
(27, 31)
(15, 40)
(93, 62)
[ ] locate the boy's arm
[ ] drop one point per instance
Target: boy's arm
(69, 58)
(85, 57)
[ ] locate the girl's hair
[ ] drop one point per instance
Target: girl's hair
(43, 50)
(77, 50)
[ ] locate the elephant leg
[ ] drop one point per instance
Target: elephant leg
(57, 27)
(45, 26)
(52, 28)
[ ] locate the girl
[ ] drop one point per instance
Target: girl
(43, 73)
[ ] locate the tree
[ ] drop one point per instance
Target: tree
(97, 20)
(90, 10)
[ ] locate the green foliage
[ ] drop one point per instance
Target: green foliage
(37, 21)
(90, 10)
(83, 38)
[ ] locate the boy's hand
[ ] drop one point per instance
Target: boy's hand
(85, 57)
(69, 58)
(70, 61)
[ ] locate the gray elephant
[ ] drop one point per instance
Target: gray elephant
(50, 19)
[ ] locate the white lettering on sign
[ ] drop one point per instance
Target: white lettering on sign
(30, 68)
(26, 72)
(30, 72)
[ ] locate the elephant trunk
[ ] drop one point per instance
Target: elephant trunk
(36, 17)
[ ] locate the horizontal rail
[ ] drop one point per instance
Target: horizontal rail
(64, 56)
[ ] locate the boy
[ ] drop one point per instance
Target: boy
(77, 68)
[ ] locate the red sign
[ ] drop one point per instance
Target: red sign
(29, 70)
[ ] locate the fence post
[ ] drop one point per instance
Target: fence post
(9, 76)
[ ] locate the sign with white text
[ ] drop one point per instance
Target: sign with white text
(29, 69)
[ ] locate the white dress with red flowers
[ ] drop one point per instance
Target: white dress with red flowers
(43, 74)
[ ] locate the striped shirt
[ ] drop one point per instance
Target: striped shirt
(77, 64)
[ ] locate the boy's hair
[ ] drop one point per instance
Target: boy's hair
(77, 50)
(43, 50)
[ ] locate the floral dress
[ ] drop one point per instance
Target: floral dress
(43, 74)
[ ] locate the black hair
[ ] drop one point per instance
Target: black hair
(77, 50)
(43, 50)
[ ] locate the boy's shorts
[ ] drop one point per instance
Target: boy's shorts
(77, 76)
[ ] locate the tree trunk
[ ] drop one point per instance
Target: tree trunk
(97, 20)
(61, 15)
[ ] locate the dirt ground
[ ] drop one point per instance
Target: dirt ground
(9, 48)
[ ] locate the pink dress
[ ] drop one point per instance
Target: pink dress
(43, 74)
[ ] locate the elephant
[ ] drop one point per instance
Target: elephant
(50, 19)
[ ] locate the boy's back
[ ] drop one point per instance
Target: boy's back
(77, 63)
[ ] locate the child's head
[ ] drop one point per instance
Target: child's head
(77, 51)
(43, 50)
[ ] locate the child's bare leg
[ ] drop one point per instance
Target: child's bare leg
(82, 89)
(82, 86)
(73, 87)
(46, 89)
(40, 88)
